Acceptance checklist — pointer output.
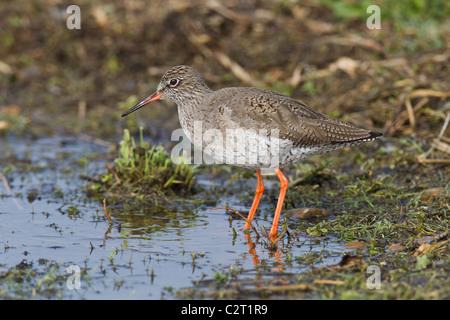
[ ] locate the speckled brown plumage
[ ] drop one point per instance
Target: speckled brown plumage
(253, 128)
(258, 108)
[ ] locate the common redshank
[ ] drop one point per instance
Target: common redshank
(252, 128)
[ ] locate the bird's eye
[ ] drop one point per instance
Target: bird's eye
(173, 82)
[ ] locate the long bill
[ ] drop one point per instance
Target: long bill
(149, 99)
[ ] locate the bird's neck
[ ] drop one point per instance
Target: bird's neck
(192, 107)
(193, 99)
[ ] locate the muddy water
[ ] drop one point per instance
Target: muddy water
(149, 252)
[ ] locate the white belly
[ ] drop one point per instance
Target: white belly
(246, 148)
(249, 148)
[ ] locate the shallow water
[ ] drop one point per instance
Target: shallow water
(149, 252)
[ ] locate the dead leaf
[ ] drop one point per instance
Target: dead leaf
(348, 261)
(354, 245)
(431, 193)
(320, 26)
(291, 287)
(4, 124)
(5, 68)
(427, 248)
(327, 281)
(11, 109)
(422, 249)
(345, 64)
(100, 15)
(394, 247)
(306, 213)
(429, 239)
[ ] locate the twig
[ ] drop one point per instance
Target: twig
(6, 184)
(409, 110)
(357, 41)
(429, 93)
(279, 237)
(444, 127)
(222, 10)
(239, 214)
(406, 114)
(108, 216)
(200, 40)
(437, 144)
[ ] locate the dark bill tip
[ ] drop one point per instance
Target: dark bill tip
(150, 99)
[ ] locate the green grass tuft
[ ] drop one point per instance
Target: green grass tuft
(144, 170)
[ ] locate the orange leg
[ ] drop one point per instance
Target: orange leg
(283, 188)
(258, 195)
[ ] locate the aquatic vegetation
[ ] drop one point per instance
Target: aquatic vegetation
(144, 171)
(387, 204)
